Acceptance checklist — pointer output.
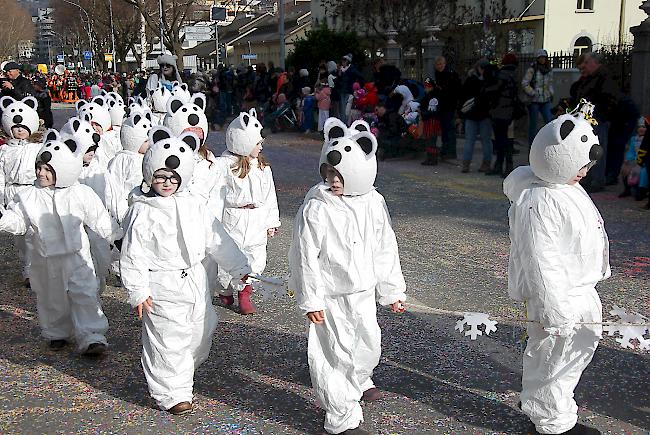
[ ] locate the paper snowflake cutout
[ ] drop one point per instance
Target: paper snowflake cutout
(628, 333)
(474, 321)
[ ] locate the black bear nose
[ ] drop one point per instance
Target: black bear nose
(172, 162)
(334, 158)
(193, 119)
(45, 157)
(96, 138)
(18, 119)
(595, 153)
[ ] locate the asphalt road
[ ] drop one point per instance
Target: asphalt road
(453, 235)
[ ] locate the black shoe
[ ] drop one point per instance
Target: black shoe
(57, 345)
(95, 349)
(581, 429)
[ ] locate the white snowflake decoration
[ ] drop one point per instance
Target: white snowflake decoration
(474, 320)
(628, 333)
(269, 287)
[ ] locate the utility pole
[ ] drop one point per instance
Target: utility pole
(162, 25)
(110, 8)
(281, 31)
(143, 43)
(621, 26)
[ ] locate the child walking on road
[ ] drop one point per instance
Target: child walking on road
(343, 259)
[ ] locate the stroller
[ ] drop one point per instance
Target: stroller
(283, 118)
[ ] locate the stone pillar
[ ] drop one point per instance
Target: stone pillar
(640, 88)
(432, 48)
(393, 55)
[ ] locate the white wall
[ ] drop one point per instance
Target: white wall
(563, 24)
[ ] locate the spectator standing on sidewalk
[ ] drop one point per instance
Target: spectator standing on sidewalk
(348, 74)
(17, 86)
(448, 86)
(597, 87)
(538, 87)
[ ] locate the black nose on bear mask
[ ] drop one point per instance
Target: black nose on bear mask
(334, 158)
(172, 162)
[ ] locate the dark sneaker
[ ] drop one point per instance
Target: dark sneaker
(180, 408)
(57, 345)
(356, 431)
(95, 349)
(371, 394)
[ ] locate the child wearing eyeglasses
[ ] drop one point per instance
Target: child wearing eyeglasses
(249, 204)
(168, 234)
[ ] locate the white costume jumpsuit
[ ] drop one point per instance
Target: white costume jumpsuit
(559, 253)
(62, 273)
(17, 160)
(343, 258)
(250, 208)
(166, 239)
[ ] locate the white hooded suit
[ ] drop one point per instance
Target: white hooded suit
(249, 204)
(559, 252)
(17, 159)
(343, 258)
(62, 273)
(165, 242)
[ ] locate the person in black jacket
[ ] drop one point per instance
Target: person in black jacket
(16, 85)
(503, 95)
(596, 86)
(42, 94)
(348, 74)
(447, 90)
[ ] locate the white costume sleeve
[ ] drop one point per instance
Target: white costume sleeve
(2, 183)
(224, 250)
(271, 202)
(390, 281)
(306, 274)
(98, 220)
(13, 219)
(536, 246)
(134, 257)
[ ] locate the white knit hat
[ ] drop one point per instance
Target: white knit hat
(167, 151)
(63, 155)
(244, 133)
(19, 113)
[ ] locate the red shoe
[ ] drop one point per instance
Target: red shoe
(245, 304)
(227, 300)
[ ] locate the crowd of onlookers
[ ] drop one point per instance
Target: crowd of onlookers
(406, 115)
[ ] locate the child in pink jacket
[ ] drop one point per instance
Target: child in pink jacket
(323, 97)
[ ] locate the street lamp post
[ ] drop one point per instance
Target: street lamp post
(89, 30)
(110, 9)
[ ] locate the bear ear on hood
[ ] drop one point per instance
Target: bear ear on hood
(51, 134)
(6, 101)
(103, 92)
(159, 133)
(30, 102)
(253, 112)
(76, 123)
(184, 86)
(173, 104)
(334, 129)
(99, 100)
(199, 100)
(191, 139)
(360, 125)
(79, 104)
(366, 141)
(245, 118)
(566, 128)
(136, 118)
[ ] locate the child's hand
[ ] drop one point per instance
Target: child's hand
(397, 307)
(271, 232)
(244, 279)
(316, 317)
(147, 304)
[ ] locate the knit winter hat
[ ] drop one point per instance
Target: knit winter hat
(541, 53)
(82, 132)
(135, 131)
(187, 116)
(168, 151)
(244, 133)
(565, 145)
(351, 151)
(95, 111)
(63, 155)
(19, 113)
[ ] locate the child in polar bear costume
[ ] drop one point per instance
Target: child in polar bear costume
(17, 158)
(56, 210)
(559, 252)
(168, 232)
(249, 204)
(343, 259)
